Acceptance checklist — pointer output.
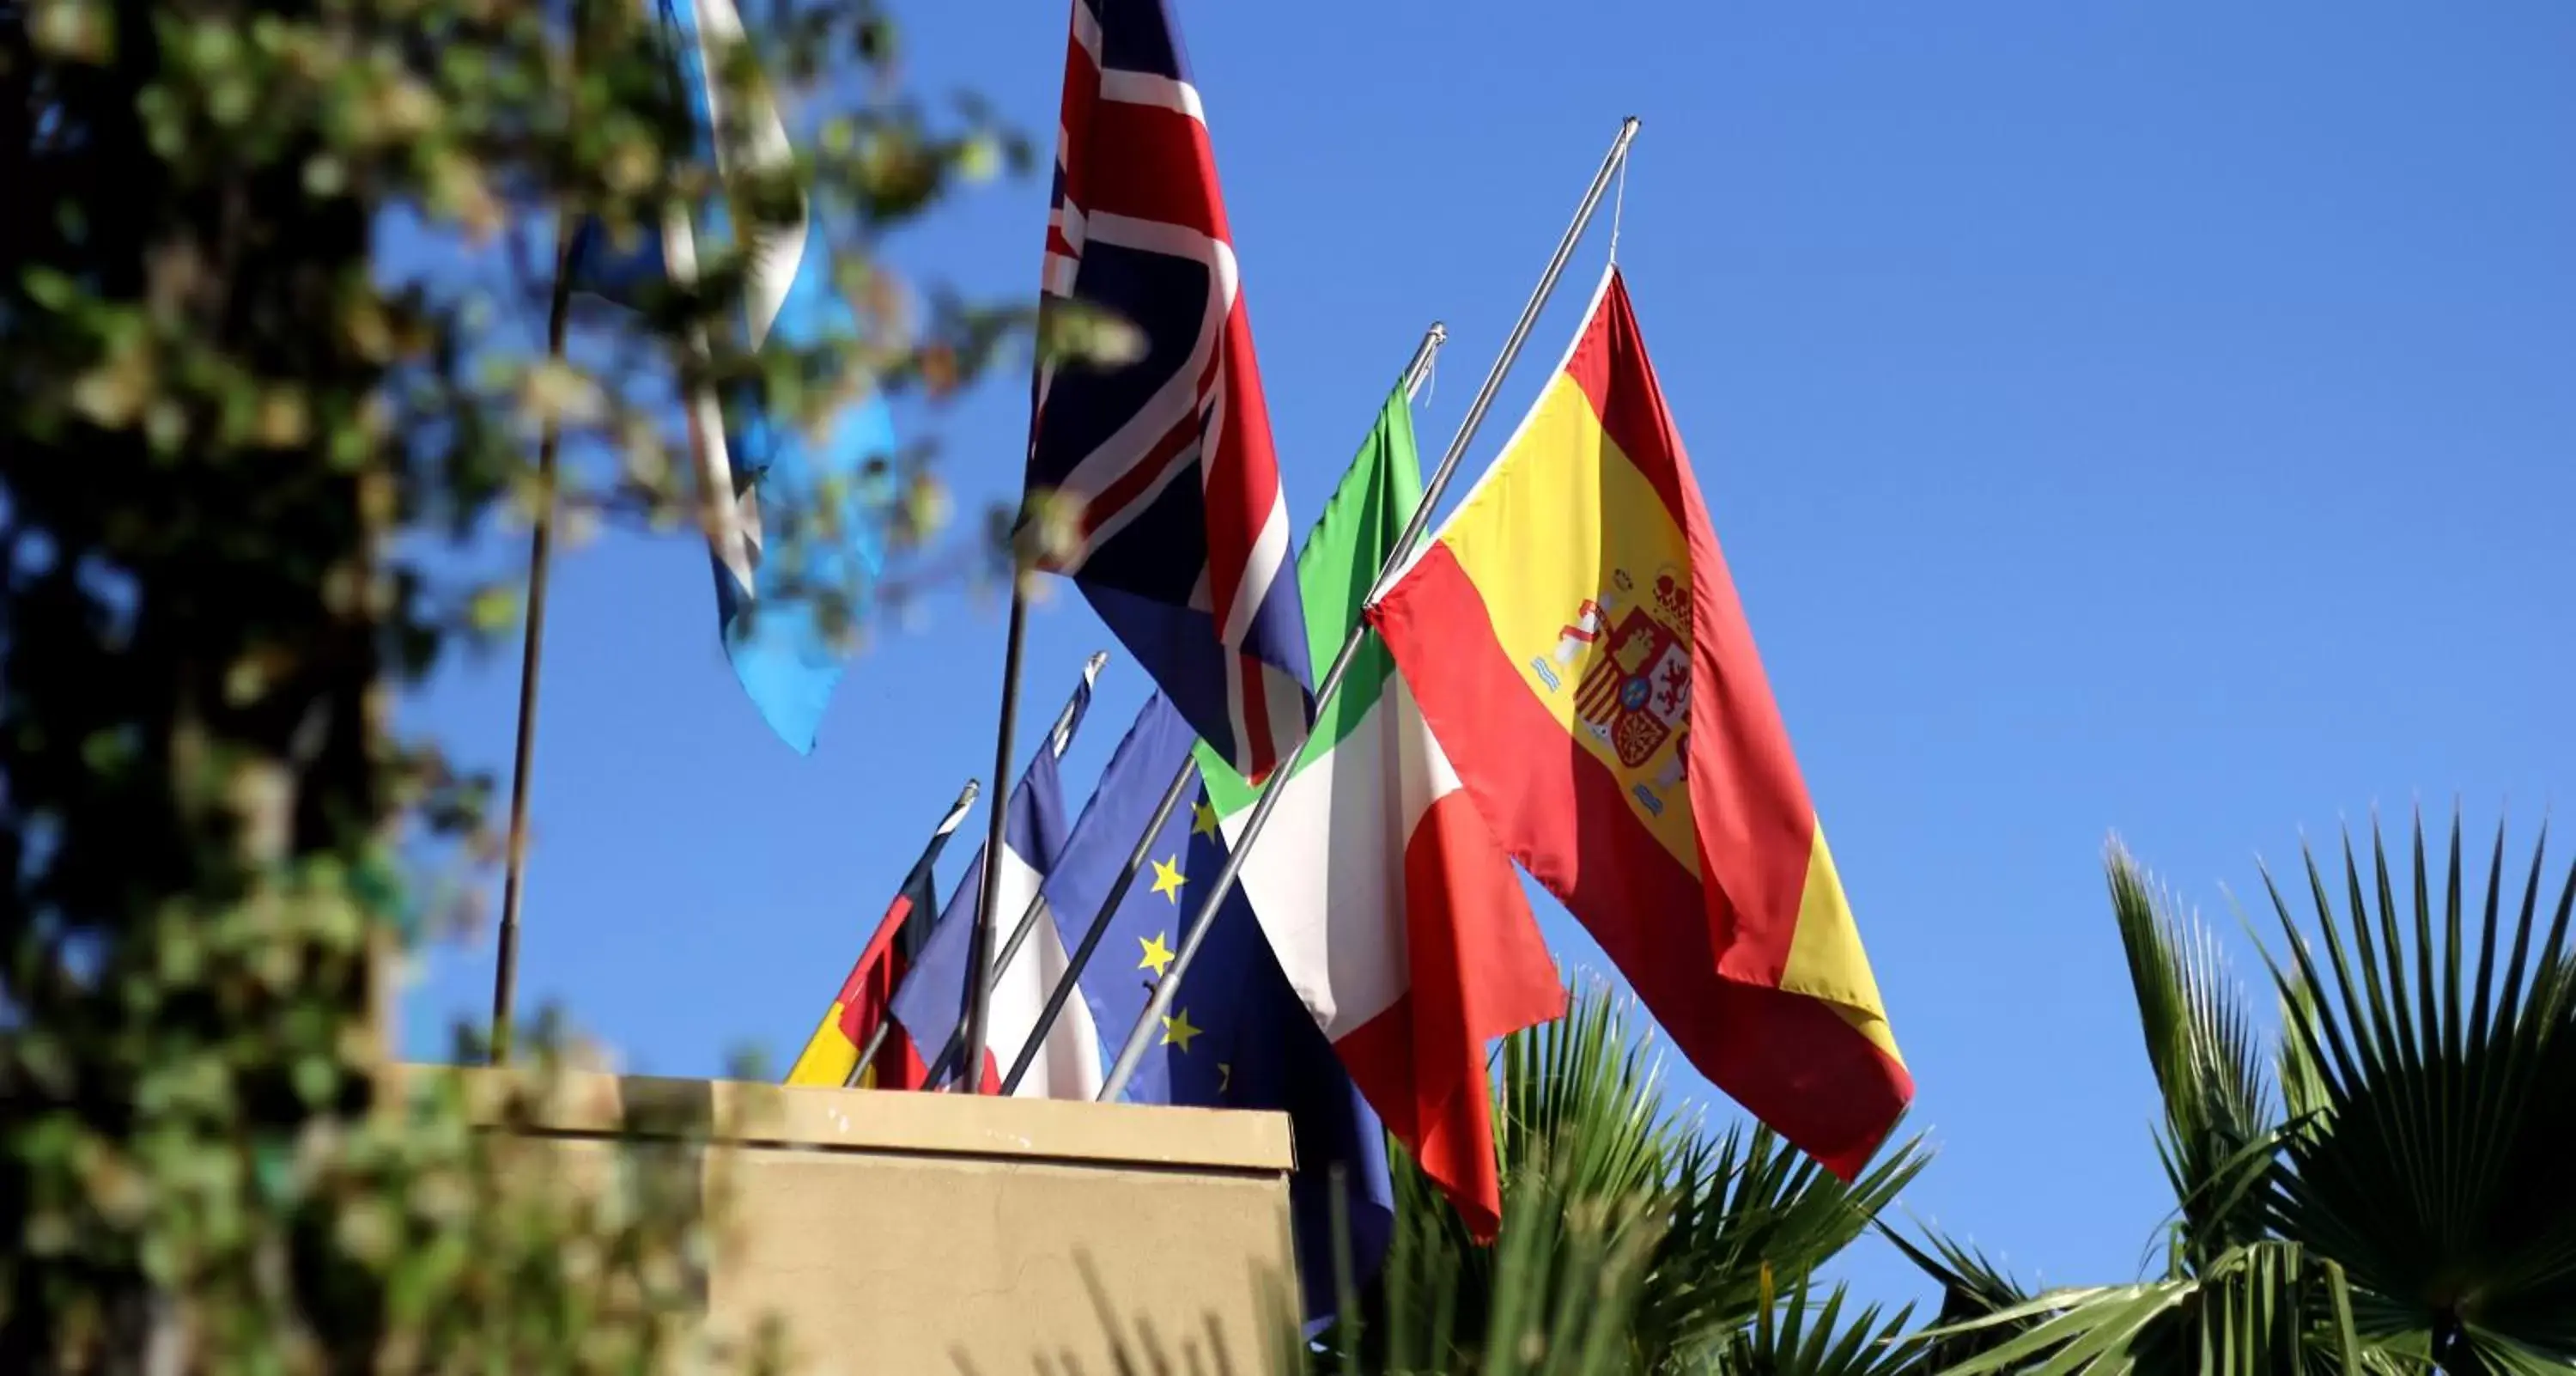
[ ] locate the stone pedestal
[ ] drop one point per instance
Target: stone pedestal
(938, 1233)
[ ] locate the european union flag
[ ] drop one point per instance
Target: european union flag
(1237, 1037)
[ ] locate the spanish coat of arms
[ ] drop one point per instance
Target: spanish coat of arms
(1634, 696)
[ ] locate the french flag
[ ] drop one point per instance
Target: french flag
(930, 1004)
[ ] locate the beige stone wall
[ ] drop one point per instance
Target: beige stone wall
(935, 1233)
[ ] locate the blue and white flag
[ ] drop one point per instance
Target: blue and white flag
(930, 1004)
(1237, 1035)
(800, 518)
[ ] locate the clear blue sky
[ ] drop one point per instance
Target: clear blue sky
(2151, 418)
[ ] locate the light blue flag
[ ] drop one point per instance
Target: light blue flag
(805, 522)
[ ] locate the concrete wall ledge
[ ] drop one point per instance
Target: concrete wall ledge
(925, 1233)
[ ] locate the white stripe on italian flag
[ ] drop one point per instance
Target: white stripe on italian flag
(1396, 916)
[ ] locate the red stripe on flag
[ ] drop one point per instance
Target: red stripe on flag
(1155, 164)
(1259, 748)
(1074, 111)
(899, 1064)
(1243, 477)
(872, 978)
(1480, 970)
(1140, 477)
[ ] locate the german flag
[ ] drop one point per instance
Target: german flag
(833, 1050)
(1575, 642)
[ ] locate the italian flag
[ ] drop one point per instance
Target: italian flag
(1395, 913)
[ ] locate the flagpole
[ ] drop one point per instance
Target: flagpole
(505, 975)
(948, 821)
(1416, 370)
(1133, 1053)
(1062, 993)
(1059, 740)
(988, 896)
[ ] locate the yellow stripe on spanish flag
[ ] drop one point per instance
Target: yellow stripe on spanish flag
(1576, 643)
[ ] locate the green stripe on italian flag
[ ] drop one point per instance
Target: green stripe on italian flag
(1397, 917)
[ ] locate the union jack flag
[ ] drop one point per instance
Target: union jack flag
(1182, 545)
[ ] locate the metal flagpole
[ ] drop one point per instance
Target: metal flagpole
(979, 941)
(1059, 740)
(1416, 370)
(505, 975)
(1169, 985)
(938, 840)
(1062, 993)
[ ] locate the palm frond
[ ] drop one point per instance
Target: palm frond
(1578, 1116)
(1586, 1094)
(1972, 1288)
(2209, 1066)
(1748, 1210)
(1800, 1337)
(2433, 1166)
(1580, 1119)
(2257, 1310)
(1555, 1296)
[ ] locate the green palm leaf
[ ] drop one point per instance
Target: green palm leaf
(2220, 1125)
(2257, 1310)
(1580, 1126)
(2435, 1168)
(1746, 1207)
(1798, 1337)
(1973, 1288)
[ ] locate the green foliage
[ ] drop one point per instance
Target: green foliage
(1631, 1241)
(2220, 1127)
(1801, 1338)
(2432, 1162)
(2387, 1191)
(272, 285)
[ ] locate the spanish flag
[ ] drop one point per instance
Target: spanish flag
(1576, 644)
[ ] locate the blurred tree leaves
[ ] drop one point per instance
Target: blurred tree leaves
(272, 279)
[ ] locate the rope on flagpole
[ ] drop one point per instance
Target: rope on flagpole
(1165, 989)
(1618, 209)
